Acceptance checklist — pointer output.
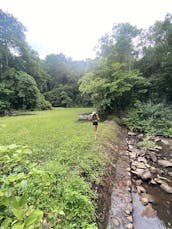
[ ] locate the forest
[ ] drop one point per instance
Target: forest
(130, 76)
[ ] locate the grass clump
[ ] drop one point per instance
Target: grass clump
(147, 144)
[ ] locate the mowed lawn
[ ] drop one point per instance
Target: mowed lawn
(65, 149)
(46, 131)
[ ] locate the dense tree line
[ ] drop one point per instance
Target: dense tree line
(26, 81)
(132, 67)
(133, 75)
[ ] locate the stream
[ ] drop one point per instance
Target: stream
(151, 190)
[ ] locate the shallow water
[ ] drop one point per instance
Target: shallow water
(143, 222)
(162, 201)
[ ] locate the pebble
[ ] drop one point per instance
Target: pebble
(129, 226)
(116, 222)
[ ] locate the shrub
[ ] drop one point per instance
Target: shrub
(151, 118)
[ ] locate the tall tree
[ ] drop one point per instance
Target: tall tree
(12, 36)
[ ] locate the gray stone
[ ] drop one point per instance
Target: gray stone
(144, 200)
(140, 189)
(152, 182)
(130, 133)
(129, 226)
(170, 174)
(142, 159)
(166, 187)
(165, 142)
(138, 172)
(165, 163)
(116, 222)
(146, 175)
(153, 156)
(140, 165)
(130, 218)
(138, 182)
(153, 169)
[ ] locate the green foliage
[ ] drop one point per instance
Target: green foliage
(111, 87)
(12, 37)
(150, 117)
(20, 91)
(16, 211)
(55, 178)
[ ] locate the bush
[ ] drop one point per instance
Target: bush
(152, 118)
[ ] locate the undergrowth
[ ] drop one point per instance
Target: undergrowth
(152, 118)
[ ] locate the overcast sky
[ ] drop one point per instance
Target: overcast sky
(73, 27)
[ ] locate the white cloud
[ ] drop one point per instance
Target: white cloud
(74, 26)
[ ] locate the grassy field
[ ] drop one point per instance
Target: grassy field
(67, 162)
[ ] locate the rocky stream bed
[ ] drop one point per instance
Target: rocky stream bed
(141, 196)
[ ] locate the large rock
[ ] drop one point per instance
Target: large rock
(142, 159)
(153, 156)
(165, 163)
(166, 187)
(165, 142)
(143, 174)
(153, 169)
(146, 175)
(130, 133)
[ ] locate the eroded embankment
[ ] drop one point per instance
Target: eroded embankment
(114, 205)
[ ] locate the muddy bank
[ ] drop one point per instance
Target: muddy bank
(115, 202)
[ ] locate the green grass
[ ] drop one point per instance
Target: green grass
(65, 149)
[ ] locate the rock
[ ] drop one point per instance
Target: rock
(129, 226)
(130, 133)
(153, 156)
(140, 136)
(165, 163)
(146, 175)
(157, 139)
(165, 142)
(153, 169)
(142, 159)
(140, 189)
(130, 147)
(149, 211)
(138, 182)
(152, 182)
(144, 200)
(158, 180)
(127, 211)
(116, 222)
(138, 172)
(130, 218)
(158, 147)
(163, 178)
(170, 174)
(166, 187)
(140, 165)
(132, 155)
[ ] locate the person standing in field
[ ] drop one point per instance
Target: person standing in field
(94, 118)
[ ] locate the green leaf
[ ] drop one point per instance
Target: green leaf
(35, 217)
(6, 222)
(19, 213)
(18, 226)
